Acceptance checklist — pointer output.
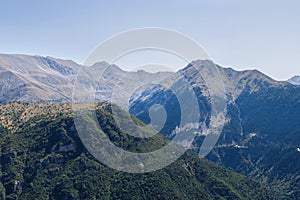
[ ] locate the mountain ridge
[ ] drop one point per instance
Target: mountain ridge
(48, 79)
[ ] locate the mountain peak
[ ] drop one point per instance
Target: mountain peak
(295, 80)
(108, 67)
(235, 82)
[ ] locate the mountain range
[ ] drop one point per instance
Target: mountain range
(46, 79)
(261, 136)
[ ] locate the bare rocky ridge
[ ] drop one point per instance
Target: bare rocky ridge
(46, 79)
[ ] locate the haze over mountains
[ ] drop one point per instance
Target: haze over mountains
(261, 136)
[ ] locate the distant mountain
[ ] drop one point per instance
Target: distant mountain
(46, 79)
(35, 78)
(261, 136)
(43, 158)
(294, 80)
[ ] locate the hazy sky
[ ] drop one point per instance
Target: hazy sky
(243, 34)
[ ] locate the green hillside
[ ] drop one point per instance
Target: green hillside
(42, 157)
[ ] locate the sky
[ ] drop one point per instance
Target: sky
(263, 35)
